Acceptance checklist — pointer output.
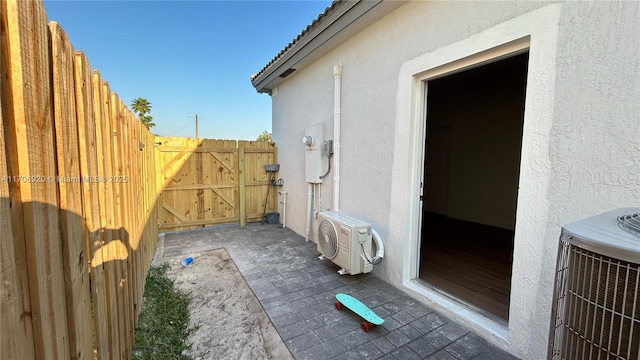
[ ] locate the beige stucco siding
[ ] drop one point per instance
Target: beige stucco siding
(371, 62)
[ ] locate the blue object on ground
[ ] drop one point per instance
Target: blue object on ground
(359, 308)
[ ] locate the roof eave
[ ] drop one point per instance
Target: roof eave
(342, 22)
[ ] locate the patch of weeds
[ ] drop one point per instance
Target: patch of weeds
(163, 326)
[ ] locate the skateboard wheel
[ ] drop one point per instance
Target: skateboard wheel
(366, 326)
(339, 305)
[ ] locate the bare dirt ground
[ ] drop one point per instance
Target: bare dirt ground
(232, 323)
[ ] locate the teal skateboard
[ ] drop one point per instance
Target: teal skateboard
(353, 304)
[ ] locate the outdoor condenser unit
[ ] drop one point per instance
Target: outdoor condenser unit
(345, 241)
(596, 306)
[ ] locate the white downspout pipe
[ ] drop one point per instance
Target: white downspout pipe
(309, 211)
(337, 74)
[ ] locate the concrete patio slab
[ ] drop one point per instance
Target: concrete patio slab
(297, 291)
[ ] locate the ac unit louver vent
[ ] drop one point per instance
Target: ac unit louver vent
(596, 308)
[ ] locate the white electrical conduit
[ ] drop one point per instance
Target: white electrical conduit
(316, 191)
(337, 74)
(337, 92)
(284, 208)
(379, 246)
(309, 210)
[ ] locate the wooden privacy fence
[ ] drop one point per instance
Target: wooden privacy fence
(207, 182)
(77, 199)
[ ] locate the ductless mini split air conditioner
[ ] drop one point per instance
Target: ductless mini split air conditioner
(345, 241)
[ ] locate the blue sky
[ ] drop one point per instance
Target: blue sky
(187, 57)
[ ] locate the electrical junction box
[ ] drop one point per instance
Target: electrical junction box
(315, 164)
(327, 148)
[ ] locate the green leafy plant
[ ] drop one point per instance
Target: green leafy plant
(265, 136)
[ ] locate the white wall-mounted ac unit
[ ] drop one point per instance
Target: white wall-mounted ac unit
(596, 305)
(345, 241)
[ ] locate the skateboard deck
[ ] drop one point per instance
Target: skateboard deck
(353, 304)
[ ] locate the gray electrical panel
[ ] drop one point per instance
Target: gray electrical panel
(315, 163)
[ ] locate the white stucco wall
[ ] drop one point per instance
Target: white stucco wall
(580, 147)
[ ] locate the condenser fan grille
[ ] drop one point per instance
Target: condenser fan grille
(328, 239)
(630, 223)
(597, 309)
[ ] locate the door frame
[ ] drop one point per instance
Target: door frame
(538, 31)
(516, 47)
(411, 279)
(439, 176)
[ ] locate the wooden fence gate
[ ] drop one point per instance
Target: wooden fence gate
(206, 182)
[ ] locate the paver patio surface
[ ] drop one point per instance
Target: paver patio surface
(297, 291)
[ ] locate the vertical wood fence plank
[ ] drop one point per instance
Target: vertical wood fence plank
(199, 179)
(125, 228)
(119, 237)
(15, 343)
(113, 243)
(16, 330)
(147, 191)
(135, 209)
(90, 197)
(72, 224)
(33, 158)
(127, 221)
(242, 194)
(152, 192)
(100, 293)
(128, 226)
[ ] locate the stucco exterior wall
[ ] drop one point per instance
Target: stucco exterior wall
(580, 146)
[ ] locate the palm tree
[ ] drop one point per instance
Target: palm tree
(141, 107)
(146, 121)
